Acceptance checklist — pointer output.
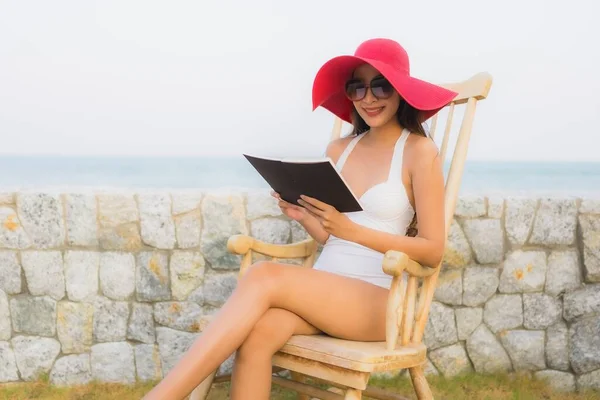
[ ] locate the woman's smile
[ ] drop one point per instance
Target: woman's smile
(373, 111)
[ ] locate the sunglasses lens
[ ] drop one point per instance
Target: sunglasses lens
(355, 90)
(381, 88)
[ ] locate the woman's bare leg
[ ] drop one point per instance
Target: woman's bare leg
(252, 369)
(339, 306)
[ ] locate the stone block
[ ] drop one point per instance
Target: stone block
(183, 316)
(486, 353)
(110, 320)
(480, 284)
(81, 214)
(223, 216)
(34, 355)
(519, 219)
(113, 363)
(147, 362)
(440, 330)
(467, 320)
(585, 345)
(42, 217)
(8, 365)
(457, 253)
(12, 233)
(10, 272)
(81, 274)
(271, 230)
(44, 273)
(152, 276)
(156, 221)
(188, 227)
(563, 272)
(590, 231)
(141, 323)
(541, 310)
(74, 326)
(449, 287)
(525, 348)
(71, 370)
(523, 272)
(33, 315)
(117, 275)
(503, 311)
(555, 222)
(260, 204)
(451, 361)
(187, 273)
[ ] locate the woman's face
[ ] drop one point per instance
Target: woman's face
(375, 110)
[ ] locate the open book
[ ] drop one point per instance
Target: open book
(317, 178)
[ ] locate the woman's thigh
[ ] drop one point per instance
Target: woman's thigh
(337, 305)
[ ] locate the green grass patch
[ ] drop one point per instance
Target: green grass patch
(497, 387)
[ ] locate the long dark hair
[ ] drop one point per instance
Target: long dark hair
(408, 117)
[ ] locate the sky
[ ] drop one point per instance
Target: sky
(193, 78)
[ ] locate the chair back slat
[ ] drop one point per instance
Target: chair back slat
(246, 262)
(394, 311)
(451, 195)
(458, 162)
(433, 126)
(409, 310)
(445, 139)
(336, 132)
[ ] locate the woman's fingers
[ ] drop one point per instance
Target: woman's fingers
(312, 209)
(285, 204)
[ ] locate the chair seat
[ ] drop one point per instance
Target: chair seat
(354, 355)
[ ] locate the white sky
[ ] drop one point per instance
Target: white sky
(225, 77)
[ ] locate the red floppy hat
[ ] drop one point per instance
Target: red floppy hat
(391, 60)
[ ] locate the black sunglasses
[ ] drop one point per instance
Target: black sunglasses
(380, 88)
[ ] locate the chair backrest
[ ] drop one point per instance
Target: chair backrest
(412, 315)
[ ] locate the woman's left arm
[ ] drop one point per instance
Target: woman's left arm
(427, 181)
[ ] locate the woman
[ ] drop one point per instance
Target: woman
(395, 171)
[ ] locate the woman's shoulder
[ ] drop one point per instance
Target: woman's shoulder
(336, 147)
(421, 150)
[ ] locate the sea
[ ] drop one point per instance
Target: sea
(563, 179)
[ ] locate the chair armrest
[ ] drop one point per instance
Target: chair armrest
(395, 262)
(241, 244)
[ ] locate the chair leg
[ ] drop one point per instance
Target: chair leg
(420, 383)
(201, 391)
(302, 379)
(353, 394)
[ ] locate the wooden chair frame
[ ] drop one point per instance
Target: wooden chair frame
(408, 305)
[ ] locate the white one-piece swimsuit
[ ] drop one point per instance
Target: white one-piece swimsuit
(386, 208)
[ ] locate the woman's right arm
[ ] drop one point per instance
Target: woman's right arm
(314, 228)
(310, 223)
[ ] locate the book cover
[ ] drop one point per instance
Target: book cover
(317, 178)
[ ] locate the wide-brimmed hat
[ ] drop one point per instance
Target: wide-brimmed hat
(391, 60)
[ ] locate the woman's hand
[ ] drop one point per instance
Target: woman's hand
(290, 210)
(332, 220)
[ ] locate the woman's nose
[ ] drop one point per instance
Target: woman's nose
(369, 97)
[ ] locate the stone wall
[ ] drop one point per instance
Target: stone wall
(111, 286)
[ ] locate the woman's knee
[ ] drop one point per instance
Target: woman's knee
(264, 275)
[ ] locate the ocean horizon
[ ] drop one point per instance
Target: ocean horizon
(205, 173)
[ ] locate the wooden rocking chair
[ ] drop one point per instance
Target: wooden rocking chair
(347, 365)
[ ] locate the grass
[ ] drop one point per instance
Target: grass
(466, 387)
